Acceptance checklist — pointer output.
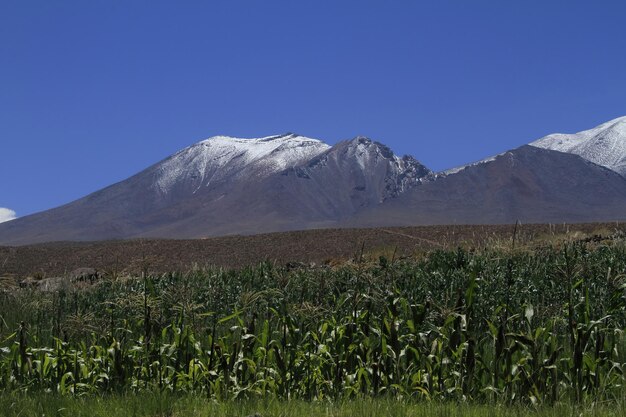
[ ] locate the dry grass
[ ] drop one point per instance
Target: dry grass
(325, 246)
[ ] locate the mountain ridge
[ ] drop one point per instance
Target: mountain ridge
(225, 185)
(604, 144)
(527, 184)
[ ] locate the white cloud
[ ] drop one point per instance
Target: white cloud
(6, 214)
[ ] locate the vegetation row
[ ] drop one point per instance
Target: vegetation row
(540, 326)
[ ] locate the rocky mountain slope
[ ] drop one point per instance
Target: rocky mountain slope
(528, 184)
(224, 185)
(228, 185)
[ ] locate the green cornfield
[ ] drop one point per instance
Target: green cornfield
(540, 326)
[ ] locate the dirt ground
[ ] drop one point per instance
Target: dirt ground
(325, 246)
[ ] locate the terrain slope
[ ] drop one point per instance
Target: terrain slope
(232, 186)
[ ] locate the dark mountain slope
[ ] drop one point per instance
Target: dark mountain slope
(528, 184)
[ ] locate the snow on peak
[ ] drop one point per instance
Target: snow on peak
(462, 167)
(604, 145)
(281, 151)
(220, 157)
(367, 152)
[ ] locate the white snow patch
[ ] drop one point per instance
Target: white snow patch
(220, 157)
(604, 145)
(7, 215)
(462, 167)
(362, 154)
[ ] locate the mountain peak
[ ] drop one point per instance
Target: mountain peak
(364, 140)
(226, 185)
(286, 137)
(214, 159)
(604, 145)
(619, 122)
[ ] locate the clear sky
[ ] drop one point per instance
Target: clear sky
(91, 92)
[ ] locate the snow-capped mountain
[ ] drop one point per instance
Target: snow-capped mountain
(529, 184)
(322, 192)
(603, 145)
(216, 159)
(224, 185)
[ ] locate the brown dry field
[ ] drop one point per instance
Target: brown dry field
(324, 246)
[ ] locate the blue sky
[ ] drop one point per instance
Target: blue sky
(93, 92)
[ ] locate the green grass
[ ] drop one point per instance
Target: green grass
(155, 405)
(541, 327)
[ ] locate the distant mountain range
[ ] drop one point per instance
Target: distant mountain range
(225, 185)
